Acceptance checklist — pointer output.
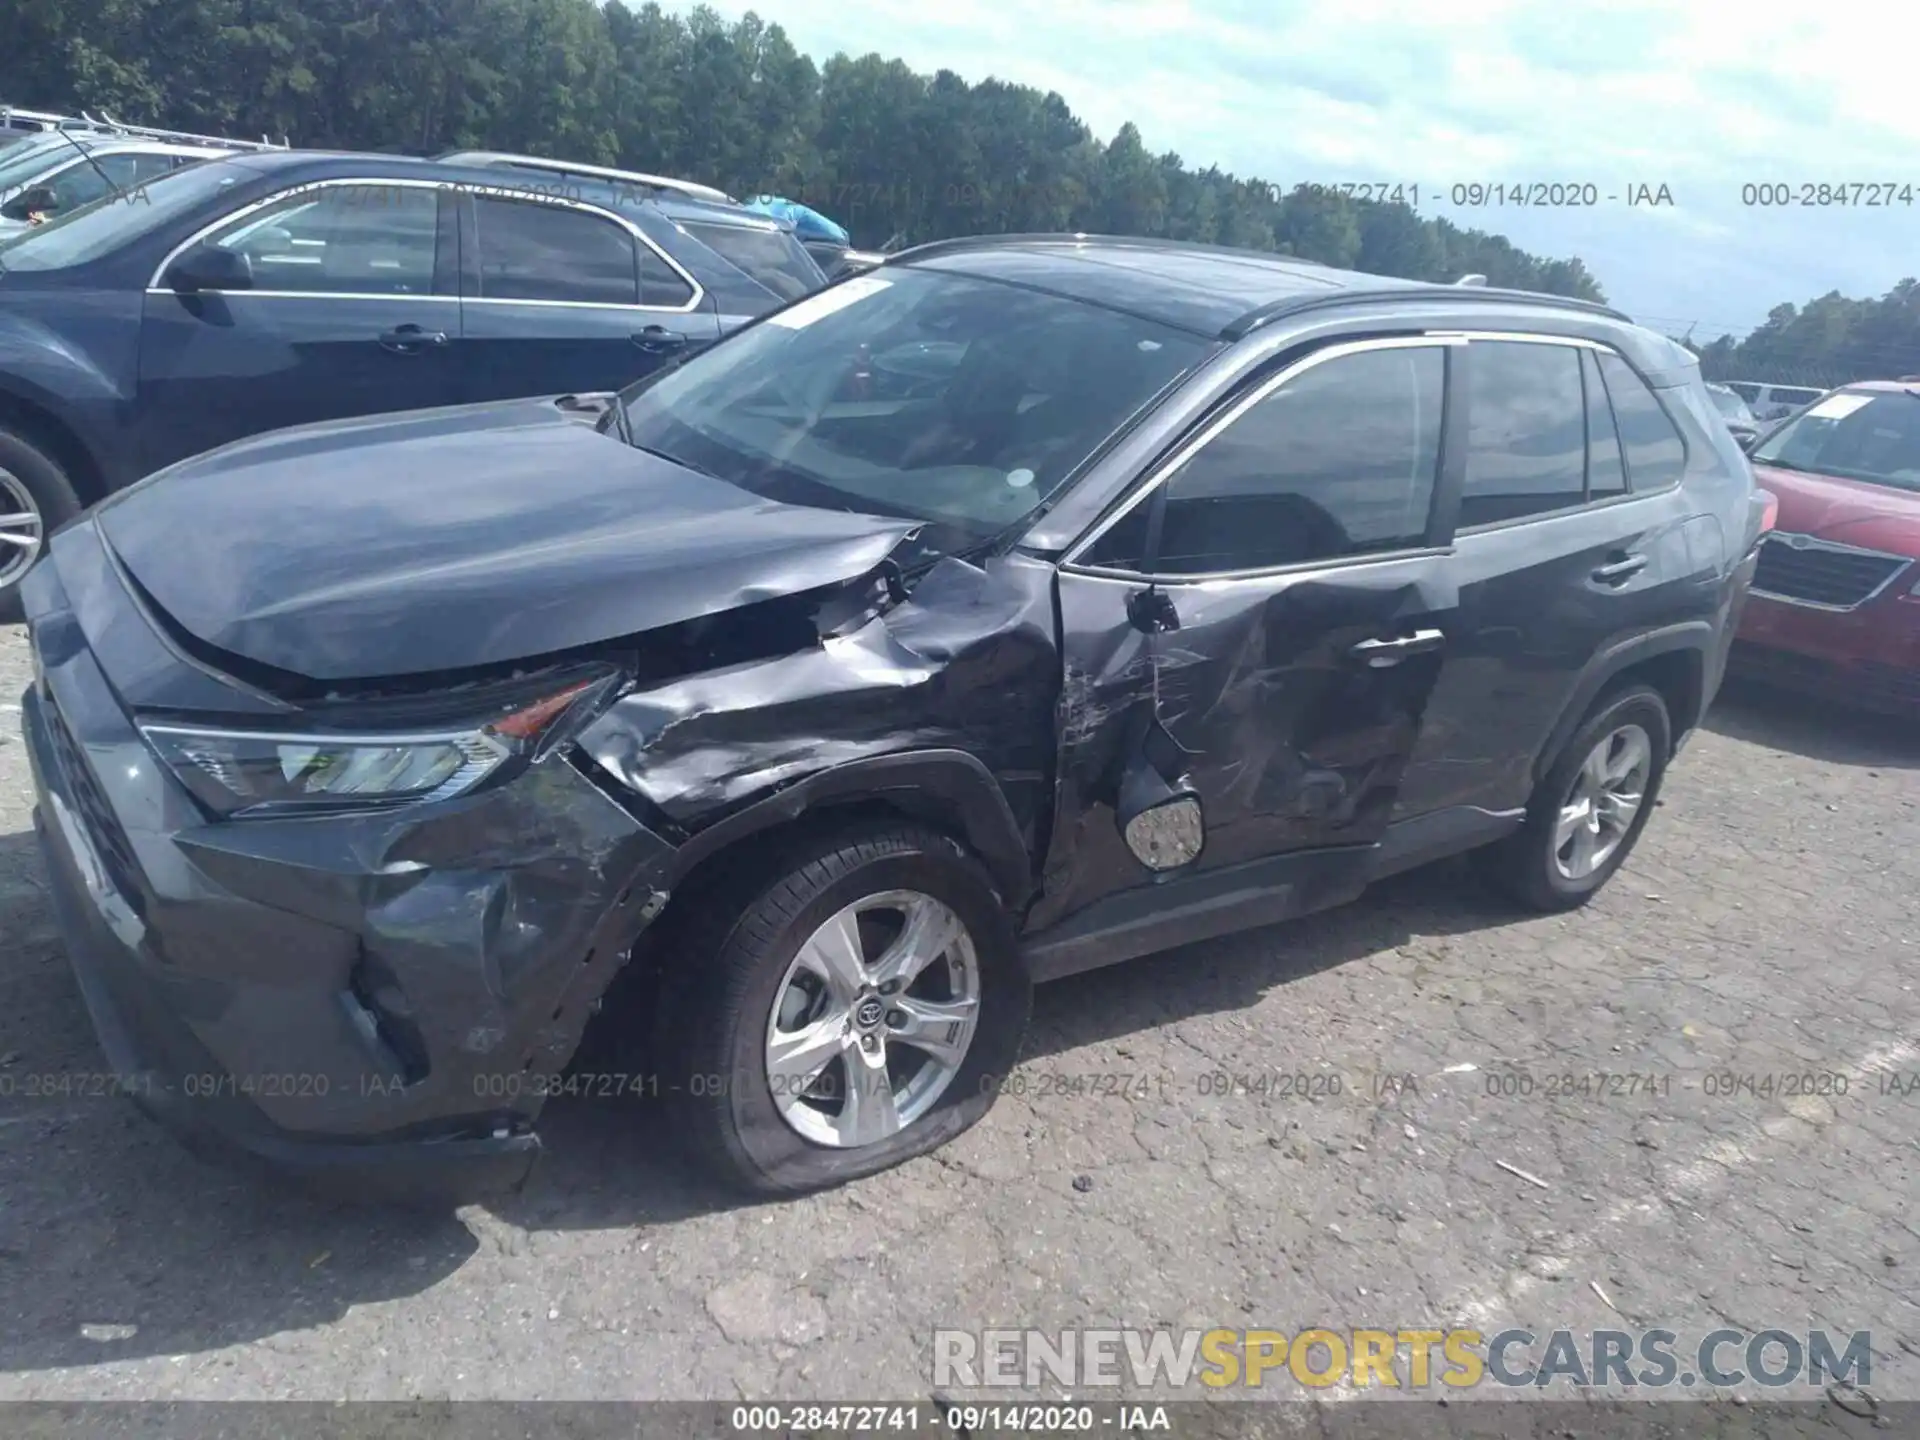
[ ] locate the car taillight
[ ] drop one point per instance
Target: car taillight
(1770, 511)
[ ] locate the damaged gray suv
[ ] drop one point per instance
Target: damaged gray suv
(1023, 605)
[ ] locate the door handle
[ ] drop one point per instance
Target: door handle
(1615, 572)
(658, 339)
(411, 339)
(1379, 654)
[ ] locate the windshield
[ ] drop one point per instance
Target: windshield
(92, 230)
(772, 257)
(917, 394)
(20, 164)
(1730, 404)
(1857, 435)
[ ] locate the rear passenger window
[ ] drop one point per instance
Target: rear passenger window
(1526, 433)
(1606, 477)
(1339, 461)
(1655, 453)
(532, 251)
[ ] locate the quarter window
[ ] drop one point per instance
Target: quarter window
(1526, 434)
(532, 251)
(1606, 475)
(1655, 454)
(370, 239)
(1339, 461)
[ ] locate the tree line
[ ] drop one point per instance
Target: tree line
(893, 154)
(890, 153)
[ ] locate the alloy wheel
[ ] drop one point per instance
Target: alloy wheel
(1607, 792)
(873, 1019)
(22, 531)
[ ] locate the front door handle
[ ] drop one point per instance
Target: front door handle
(411, 339)
(1616, 572)
(1379, 654)
(658, 339)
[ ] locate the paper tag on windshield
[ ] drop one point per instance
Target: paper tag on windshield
(816, 307)
(1838, 407)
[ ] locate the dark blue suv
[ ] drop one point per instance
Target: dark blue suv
(246, 294)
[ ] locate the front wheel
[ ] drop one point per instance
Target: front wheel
(1586, 815)
(35, 498)
(853, 1006)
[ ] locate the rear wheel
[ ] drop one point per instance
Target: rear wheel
(851, 1005)
(1586, 815)
(35, 499)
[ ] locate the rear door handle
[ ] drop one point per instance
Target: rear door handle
(659, 339)
(1379, 654)
(1623, 569)
(411, 339)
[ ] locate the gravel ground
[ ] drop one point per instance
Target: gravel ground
(1764, 926)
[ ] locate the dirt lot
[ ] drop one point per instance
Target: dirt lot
(1766, 925)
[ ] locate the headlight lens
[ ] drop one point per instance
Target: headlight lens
(257, 773)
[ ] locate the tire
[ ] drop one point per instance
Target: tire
(28, 478)
(737, 956)
(1532, 865)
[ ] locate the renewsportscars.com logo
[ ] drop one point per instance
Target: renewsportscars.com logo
(1409, 1359)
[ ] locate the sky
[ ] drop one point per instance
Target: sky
(1704, 98)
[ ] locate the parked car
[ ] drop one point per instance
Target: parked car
(1772, 402)
(264, 290)
(1198, 596)
(56, 171)
(1734, 412)
(1836, 598)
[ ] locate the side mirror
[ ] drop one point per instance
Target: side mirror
(1163, 823)
(30, 202)
(210, 267)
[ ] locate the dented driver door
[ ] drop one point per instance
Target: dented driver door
(1276, 602)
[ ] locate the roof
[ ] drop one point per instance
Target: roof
(689, 188)
(1208, 289)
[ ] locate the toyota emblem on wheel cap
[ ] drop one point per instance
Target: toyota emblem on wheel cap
(867, 1013)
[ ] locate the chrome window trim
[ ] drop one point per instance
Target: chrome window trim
(1071, 563)
(504, 192)
(1814, 542)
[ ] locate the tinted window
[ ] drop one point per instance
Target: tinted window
(912, 393)
(660, 284)
(1527, 433)
(1857, 434)
(530, 251)
(772, 257)
(1340, 460)
(1606, 475)
(372, 239)
(1655, 454)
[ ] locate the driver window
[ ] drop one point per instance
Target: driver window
(345, 239)
(1340, 461)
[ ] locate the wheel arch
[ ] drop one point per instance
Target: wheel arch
(40, 426)
(1672, 660)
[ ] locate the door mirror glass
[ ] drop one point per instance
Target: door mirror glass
(211, 267)
(1163, 823)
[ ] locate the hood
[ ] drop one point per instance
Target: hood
(454, 539)
(1851, 512)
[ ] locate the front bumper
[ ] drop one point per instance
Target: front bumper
(1869, 657)
(378, 1003)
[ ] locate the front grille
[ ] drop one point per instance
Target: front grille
(109, 840)
(1818, 572)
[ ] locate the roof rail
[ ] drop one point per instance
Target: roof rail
(1471, 280)
(1293, 304)
(16, 117)
(184, 137)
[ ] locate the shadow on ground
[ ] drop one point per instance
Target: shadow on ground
(1813, 726)
(104, 1218)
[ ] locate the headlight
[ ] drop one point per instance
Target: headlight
(258, 772)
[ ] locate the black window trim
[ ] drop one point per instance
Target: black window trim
(1442, 502)
(1583, 505)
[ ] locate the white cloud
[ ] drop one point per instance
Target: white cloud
(1703, 97)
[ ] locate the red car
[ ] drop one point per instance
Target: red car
(1835, 605)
